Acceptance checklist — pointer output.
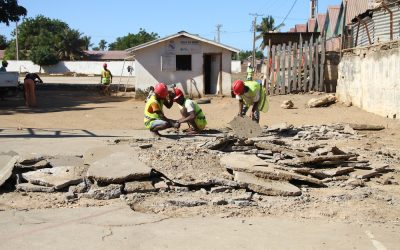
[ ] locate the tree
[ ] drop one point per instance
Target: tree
(132, 40)
(244, 55)
(44, 56)
(10, 11)
(87, 42)
(44, 33)
(267, 25)
(102, 45)
(3, 42)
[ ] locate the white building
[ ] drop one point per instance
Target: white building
(197, 65)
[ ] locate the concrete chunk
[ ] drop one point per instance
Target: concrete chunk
(7, 163)
(139, 187)
(29, 187)
(244, 127)
(118, 168)
(109, 192)
(58, 177)
(267, 187)
(66, 161)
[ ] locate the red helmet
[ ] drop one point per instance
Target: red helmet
(161, 90)
(178, 94)
(105, 65)
(238, 87)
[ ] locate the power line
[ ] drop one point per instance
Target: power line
(290, 11)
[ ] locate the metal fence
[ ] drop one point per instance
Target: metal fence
(296, 67)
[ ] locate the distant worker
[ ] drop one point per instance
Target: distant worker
(29, 89)
(154, 117)
(250, 93)
(191, 113)
(250, 72)
(106, 80)
(4, 65)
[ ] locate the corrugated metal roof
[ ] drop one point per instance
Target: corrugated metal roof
(301, 28)
(363, 39)
(311, 25)
(382, 24)
(106, 55)
(333, 13)
(180, 34)
(320, 22)
(355, 8)
(292, 30)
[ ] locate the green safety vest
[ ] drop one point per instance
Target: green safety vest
(105, 77)
(149, 118)
(200, 119)
(248, 97)
(250, 73)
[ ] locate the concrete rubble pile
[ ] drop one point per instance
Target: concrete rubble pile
(228, 169)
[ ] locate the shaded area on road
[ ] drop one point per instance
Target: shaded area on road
(58, 101)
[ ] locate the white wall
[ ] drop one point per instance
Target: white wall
(148, 68)
(236, 67)
(80, 67)
(369, 79)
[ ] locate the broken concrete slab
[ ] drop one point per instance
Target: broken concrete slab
(223, 189)
(7, 162)
(59, 177)
(281, 127)
(139, 187)
(109, 192)
(38, 165)
(94, 154)
(287, 104)
(267, 187)
(186, 202)
(308, 160)
(30, 159)
(365, 174)
(118, 168)
(338, 171)
(366, 127)
(253, 164)
(245, 127)
(29, 187)
(65, 161)
(321, 102)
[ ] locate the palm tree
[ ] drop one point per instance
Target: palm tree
(87, 42)
(102, 44)
(267, 25)
(70, 45)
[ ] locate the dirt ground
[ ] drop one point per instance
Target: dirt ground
(89, 111)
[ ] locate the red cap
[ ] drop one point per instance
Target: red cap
(238, 87)
(161, 90)
(178, 94)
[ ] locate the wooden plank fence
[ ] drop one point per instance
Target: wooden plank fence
(295, 67)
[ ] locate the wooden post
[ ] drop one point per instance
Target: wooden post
(311, 65)
(299, 72)
(295, 66)
(273, 69)
(289, 70)
(317, 47)
(283, 70)
(278, 69)
(322, 67)
(305, 56)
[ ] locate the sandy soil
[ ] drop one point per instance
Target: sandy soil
(86, 110)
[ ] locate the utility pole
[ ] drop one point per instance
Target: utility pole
(255, 15)
(219, 26)
(16, 40)
(313, 8)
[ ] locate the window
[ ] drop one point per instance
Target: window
(183, 62)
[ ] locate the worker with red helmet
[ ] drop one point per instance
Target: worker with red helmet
(250, 93)
(106, 79)
(191, 113)
(154, 118)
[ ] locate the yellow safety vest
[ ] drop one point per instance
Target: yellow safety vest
(248, 97)
(250, 73)
(200, 119)
(105, 77)
(149, 118)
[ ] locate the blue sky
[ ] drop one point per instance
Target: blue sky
(108, 20)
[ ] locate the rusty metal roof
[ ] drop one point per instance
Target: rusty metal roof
(355, 8)
(300, 28)
(111, 55)
(333, 13)
(311, 24)
(321, 22)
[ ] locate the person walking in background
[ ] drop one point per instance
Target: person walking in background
(4, 65)
(106, 80)
(29, 89)
(250, 72)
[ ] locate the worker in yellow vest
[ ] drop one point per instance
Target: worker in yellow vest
(106, 80)
(191, 113)
(250, 72)
(250, 93)
(154, 118)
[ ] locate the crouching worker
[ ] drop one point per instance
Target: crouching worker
(191, 113)
(154, 118)
(250, 94)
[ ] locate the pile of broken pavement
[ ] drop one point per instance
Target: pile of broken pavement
(228, 169)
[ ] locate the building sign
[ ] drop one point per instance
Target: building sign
(183, 47)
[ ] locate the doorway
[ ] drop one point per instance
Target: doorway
(212, 73)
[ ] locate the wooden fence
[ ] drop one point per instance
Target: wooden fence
(297, 67)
